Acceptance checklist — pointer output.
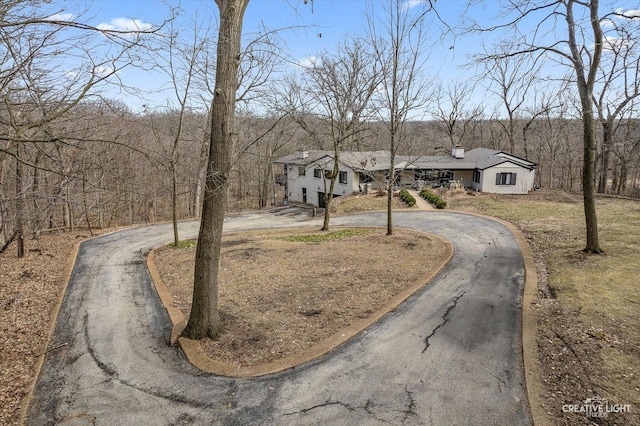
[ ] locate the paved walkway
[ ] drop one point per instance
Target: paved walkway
(421, 203)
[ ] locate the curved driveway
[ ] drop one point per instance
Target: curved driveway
(451, 354)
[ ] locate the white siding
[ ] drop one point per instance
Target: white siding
(524, 179)
(407, 177)
(315, 185)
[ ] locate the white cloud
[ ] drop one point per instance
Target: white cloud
(61, 17)
(410, 4)
(103, 70)
(98, 71)
(125, 24)
(308, 62)
(607, 23)
(631, 13)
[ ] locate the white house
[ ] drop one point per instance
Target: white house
(305, 173)
(481, 169)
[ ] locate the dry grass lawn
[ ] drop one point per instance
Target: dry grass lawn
(589, 305)
(283, 291)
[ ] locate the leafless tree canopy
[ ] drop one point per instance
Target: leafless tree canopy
(72, 158)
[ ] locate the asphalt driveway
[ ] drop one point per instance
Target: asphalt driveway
(451, 354)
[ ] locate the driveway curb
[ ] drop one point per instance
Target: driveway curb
(199, 359)
(71, 261)
(531, 360)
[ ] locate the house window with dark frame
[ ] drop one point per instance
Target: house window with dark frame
(343, 177)
(302, 171)
(505, 178)
(476, 176)
(317, 173)
(327, 174)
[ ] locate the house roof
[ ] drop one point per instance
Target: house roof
(297, 158)
(479, 158)
(359, 161)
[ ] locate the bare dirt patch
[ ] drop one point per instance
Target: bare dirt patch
(30, 289)
(282, 291)
(355, 203)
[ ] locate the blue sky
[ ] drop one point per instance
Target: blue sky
(318, 29)
(310, 30)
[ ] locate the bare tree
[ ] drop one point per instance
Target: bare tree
(337, 90)
(180, 59)
(453, 111)
(619, 81)
(510, 79)
(204, 320)
(541, 105)
(399, 40)
(37, 86)
(580, 48)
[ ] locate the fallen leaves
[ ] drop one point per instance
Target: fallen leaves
(280, 296)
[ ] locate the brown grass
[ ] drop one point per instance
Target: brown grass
(280, 297)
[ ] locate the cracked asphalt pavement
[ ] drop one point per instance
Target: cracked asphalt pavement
(451, 354)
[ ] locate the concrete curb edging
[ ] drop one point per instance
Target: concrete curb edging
(66, 277)
(530, 357)
(529, 331)
(178, 322)
(196, 356)
(531, 362)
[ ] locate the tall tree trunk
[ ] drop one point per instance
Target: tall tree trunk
(204, 320)
(174, 197)
(607, 143)
(392, 178)
(589, 183)
(328, 195)
(20, 204)
(585, 85)
(202, 164)
(622, 179)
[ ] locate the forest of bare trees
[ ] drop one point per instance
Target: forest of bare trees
(72, 158)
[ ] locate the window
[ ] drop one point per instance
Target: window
(476, 176)
(302, 171)
(317, 173)
(343, 177)
(505, 178)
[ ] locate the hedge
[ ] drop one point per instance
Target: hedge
(433, 198)
(407, 198)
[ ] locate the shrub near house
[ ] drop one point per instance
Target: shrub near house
(433, 199)
(407, 197)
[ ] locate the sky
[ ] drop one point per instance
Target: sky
(308, 30)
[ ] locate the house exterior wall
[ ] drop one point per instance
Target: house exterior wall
(524, 179)
(315, 185)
